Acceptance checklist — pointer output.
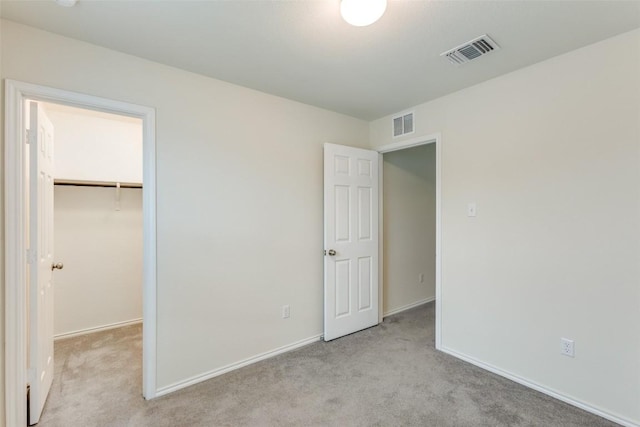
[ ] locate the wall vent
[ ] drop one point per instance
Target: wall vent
(471, 50)
(403, 124)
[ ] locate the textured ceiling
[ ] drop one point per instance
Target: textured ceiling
(303, 50)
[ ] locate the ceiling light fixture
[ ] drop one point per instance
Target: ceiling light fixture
(361, 13)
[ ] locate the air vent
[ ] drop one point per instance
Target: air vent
(402, 124)
(471, 50)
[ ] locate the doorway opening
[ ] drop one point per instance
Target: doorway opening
(410, 226)
(17, 231)
(353, 187)
(97, 219)
(97, 249)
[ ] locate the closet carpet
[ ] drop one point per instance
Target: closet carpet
(389, 375)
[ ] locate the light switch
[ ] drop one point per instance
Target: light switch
(471, 209)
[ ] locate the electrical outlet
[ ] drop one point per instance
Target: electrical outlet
(286, 312)
(566, 347)
(421, 277)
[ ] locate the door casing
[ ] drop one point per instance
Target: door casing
(396, 146)
(15, 223)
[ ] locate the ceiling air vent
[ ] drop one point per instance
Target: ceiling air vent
(471, 50)
(402, 124)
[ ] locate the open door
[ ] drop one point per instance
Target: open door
(40, 259)
(350, 239)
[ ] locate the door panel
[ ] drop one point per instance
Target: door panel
(365, 284)
(351, 230)
(342, 220)
(364, 213)
(41, 259)
(343, 288)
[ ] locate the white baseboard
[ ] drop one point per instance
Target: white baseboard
(542, 389)
(408, 306)
(96, 329)
(237, 365)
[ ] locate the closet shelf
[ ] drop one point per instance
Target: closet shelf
(96, 183)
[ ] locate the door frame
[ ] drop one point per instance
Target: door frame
(15, 222)
(435, 138)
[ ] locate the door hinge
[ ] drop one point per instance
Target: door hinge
(27, 136)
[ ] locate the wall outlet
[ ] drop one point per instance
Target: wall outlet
(286, 311)
(566, 347)
(421, 277)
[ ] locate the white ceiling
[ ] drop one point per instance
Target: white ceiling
(302, 50)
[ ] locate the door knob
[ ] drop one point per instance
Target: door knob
(332, 252)
(57, 265)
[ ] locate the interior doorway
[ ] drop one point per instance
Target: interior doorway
(416, 284)
(96, 279)
(17, 230)
(409, 224)
(97, 219)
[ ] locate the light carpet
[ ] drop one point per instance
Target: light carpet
(389, 375)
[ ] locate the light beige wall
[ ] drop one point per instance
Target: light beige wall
(409, 217)
(2, 324)
(239, 201)
(101, 248)
(551, 156)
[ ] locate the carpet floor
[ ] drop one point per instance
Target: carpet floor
(389, 375)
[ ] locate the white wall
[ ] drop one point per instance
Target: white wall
(409, 216)
(551, 156)
(239, 198)
(96, 146)
(101, 248)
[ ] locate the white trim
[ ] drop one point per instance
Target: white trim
(435, 138)
(409, 306)
(438, 241)
(409, 143)
(380, 238)
(237, 365)
(15, 264)
(95, 329)
(15, 242)
(149, 261)
(542, 389)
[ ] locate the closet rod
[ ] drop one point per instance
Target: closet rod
(97, 184)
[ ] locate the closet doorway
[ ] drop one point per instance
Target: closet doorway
(21, 196)
(97, 268)
(97, 220)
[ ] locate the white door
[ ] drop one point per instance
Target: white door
(351, 240)
(40, 258)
